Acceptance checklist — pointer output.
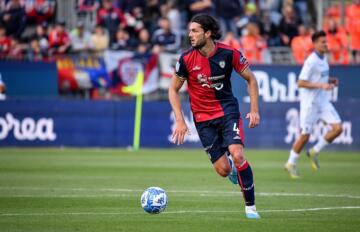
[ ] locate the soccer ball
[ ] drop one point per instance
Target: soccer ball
(154, 200)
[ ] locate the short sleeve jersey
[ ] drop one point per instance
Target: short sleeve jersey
(316, 70)
(208, 80)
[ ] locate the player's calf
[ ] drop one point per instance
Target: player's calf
(222, 166)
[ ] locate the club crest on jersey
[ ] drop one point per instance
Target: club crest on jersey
(222, 64)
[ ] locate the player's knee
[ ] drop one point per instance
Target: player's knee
(237, 153)
(239, 159)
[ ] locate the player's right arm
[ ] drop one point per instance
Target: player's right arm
(181, 128)
(304, 78)
(314, 85)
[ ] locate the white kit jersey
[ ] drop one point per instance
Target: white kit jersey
(316, 70)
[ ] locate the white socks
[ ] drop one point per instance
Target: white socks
(320, 145)
(293, 157)
(250, 209)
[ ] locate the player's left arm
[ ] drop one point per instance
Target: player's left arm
(253, 115)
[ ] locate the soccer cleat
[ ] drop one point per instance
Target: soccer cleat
(251, 212)
(292, 170)
(233, 176)
(313, 159)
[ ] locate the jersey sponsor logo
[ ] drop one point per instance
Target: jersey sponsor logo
(206, 81)
(27, 129)
(222, 64)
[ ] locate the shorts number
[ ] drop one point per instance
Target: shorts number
(235, 128)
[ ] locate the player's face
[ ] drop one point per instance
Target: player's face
(197, 36)
(321, 45)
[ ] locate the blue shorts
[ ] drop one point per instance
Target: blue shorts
(217, 134)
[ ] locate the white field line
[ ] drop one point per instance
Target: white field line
(114, 192)
(176, 212)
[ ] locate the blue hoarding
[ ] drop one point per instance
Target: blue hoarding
(29, 79)
(110, 124)
(277, 83)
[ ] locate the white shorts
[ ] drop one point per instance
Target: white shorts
(312, 114)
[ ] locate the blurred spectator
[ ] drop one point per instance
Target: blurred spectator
(123, 41)
(87, 11)
(17, 49)
(173, 14)
(128, 6)
(88, 5)
(110, 18)
(301, 7)
(59, 40)
(353, 27)
(99, 39)
(199, 7)
(269, 30)
(273, 7)
(164, 39)
(5, 43)
(14, 18)
(42, 37)
(134, 20)
(332, 12)
(231, 40)
(34, 51)
(2, 5)
(80, 38)
(337, 43)
(152, 13)
(144, 44)
(288, 25)
(228, 12)
(2, 89)
(301, 45)
(39, 11)
(253, 44)
(250, 16)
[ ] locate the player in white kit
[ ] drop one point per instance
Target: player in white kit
(315, 90)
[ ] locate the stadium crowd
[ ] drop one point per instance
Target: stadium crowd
(28, 29)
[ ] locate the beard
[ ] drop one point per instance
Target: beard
(199, 45)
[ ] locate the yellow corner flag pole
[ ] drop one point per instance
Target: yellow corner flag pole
(136, 89)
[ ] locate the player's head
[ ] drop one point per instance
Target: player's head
(319, 41)
(202, 28)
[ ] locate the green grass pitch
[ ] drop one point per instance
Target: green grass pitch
(99, 190)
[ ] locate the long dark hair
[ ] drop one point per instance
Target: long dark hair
(208, 23)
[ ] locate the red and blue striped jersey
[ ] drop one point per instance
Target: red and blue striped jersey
(208, 79)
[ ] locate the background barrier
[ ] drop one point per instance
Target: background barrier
(29, 79)
(110, 124)
(34, 116)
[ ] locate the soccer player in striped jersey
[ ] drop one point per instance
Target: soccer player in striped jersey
(207, 68)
